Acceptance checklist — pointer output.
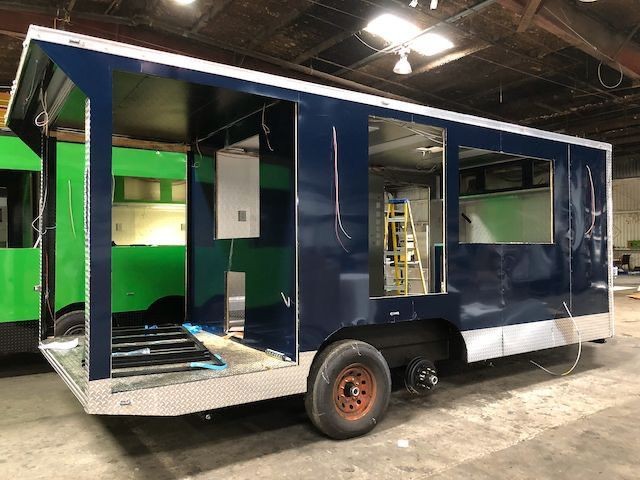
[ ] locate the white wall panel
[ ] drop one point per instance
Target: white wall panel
(626, 214)
(626, 195)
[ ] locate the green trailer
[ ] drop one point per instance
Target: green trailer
(148, 231)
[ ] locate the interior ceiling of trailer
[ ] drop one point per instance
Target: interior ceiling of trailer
(404, 144)
(541, 63)
(154, 108)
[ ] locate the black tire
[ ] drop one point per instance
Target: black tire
(71, 323)
(335, 375)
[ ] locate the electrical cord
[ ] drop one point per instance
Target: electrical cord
(265, 128)
(575, 364)
(338, 217)
(593, 204)
(42, 119)
(366, 44)
(604, 84)
(73, 226)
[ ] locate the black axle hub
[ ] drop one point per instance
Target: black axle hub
(421, 376)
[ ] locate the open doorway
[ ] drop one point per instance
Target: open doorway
(406, 208)
(239, 231)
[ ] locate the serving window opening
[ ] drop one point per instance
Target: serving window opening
(505, 198)
(149, 211)
(406, 208)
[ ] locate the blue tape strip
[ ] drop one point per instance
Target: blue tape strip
(210, 366)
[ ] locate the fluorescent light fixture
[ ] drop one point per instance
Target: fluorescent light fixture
(398, 31)
(184, 2)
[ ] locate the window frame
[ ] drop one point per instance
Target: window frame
(528, 186)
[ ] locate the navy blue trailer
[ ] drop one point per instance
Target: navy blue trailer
(345, 233)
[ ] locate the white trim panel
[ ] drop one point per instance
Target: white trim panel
(486, 343)
(181, 61)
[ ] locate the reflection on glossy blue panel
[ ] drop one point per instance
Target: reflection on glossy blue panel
(589, 243)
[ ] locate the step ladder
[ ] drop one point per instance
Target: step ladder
(404, 256)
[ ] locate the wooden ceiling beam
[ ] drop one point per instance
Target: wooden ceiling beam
(215, 8)
(528, 14)
(570, 23)
(266, 32)
(448, 58)
(113, 7)
(326, 45)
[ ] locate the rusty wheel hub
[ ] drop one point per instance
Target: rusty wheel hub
(354, 391)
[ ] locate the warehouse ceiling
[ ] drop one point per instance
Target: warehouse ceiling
(563, 65)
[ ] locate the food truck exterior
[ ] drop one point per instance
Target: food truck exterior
(349, 233)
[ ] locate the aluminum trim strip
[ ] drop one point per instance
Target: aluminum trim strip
(609, 188)
(145, 54)
(191, 397)
(494, 342)
(75, 388)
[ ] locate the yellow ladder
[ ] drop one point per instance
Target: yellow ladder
(399, 224)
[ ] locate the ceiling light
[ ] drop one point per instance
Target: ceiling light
(184, 2)
(398, 31)
(403, 67)
(413, 3)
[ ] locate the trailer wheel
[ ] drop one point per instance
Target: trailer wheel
(348, 389)
(71, 323)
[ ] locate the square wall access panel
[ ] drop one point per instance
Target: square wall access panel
(237, 195)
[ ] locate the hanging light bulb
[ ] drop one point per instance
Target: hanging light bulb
(402, 66)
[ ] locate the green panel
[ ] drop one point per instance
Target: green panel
(149, 163)
(141, 275)
(19, 272)
(69, 241)
(15, 155)
(134, 269)
(268, 272)
(19, 267)
(130, 162)
(275, 177)
(268, 269)
(516, 217)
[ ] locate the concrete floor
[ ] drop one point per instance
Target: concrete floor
(503, 419)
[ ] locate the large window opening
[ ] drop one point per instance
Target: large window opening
(17, 208)
(505, 198)
(406, 208)
(148, 211)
